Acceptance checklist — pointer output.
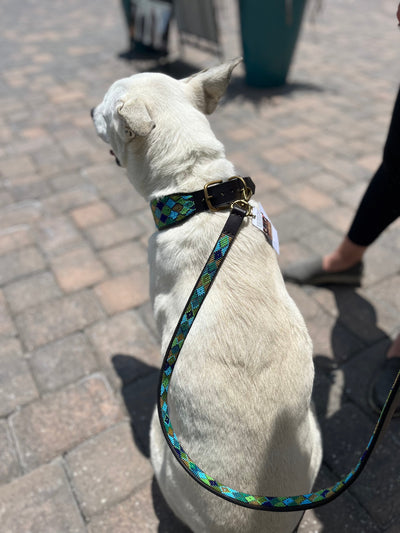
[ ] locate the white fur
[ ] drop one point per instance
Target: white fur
(240, 395)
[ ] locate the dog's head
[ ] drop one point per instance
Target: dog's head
(146, 117)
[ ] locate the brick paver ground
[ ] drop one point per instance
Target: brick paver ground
(78, 347)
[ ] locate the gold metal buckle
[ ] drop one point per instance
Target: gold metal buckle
(207, 196)
(246, 192)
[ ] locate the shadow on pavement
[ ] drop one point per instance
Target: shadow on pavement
(239, 90)
(139, 393)
(176, 68)
(355, 331)
(341, 398)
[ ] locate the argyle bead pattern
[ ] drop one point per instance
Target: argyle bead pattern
(191, 310)
(169, 210)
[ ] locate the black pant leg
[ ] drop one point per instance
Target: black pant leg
(380, 205)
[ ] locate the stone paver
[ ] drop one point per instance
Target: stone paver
(57, 235)
(79, 350)
(145, 507)
(123, 334)
(77, 269)
(52, 320)
(97, 482)
(9, 467)
(62, 362)
(6, 324)
(31, 291)
(92, 214)
(52, 508)
(124, 257)
(16, 383)
(344, 515)
(56, 423)
(20, 263)
(124, 292)
(14, 237)
(115, 232)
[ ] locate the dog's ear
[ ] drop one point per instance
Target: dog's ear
(208, 86)
(136, 117)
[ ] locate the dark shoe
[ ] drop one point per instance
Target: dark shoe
(310, 272)
(382, 383)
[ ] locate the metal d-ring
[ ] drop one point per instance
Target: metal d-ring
(246, 191)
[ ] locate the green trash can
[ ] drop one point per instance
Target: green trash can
(269, 34)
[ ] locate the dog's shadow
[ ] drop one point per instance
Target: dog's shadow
(139, 394)
(354, 333)
(341, 388)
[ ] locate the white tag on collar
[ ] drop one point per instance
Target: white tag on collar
(261, 221)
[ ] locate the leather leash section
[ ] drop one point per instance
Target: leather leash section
(300, 502)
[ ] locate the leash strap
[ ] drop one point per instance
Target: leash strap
(300, 502)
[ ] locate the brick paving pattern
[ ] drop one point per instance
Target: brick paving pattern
(78, 348)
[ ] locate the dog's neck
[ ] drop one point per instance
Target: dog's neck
(194, 175)
(184, 164)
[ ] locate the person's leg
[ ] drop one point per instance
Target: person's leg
(379, 207)
(368, 224)
(346, 255)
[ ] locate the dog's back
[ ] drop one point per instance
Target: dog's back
(240, 394)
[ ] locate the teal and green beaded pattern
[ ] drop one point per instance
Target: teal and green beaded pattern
(191, 311)
(172, 209)
(267, 503)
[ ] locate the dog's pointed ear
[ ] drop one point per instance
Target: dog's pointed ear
(208, 86)
(136, 117)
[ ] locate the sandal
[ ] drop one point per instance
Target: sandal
(310, 272)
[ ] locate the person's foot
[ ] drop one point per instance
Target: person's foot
(312, 272)
(382, 383)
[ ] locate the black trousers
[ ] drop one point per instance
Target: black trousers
(380, 205)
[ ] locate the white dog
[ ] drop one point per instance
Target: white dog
(239, 398)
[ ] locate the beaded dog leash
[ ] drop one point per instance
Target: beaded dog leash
(302, 502)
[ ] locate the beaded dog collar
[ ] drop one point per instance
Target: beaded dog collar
(215, 196)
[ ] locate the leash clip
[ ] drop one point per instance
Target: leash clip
(243, 204)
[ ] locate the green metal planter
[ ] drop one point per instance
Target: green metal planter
(270, 29)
